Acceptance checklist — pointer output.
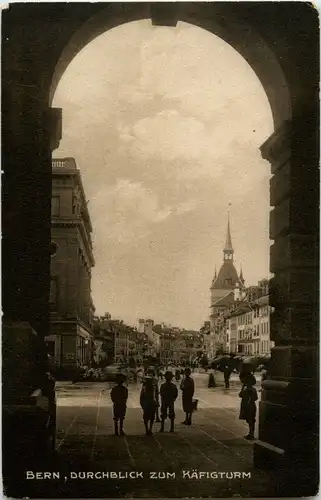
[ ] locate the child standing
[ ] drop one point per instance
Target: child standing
(148, 402)
(152, 374)
(248, 403)
(169, 393)
(119, 396)
(187, 388)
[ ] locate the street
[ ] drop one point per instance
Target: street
(85, 444)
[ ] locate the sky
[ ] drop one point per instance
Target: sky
(165, 125)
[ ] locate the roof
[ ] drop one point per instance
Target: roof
(226, 300)
(263, 301)
(240, 310)
(227, 272)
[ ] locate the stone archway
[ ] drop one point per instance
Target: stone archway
(281, 45)
(225, 24)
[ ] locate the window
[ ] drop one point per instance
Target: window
(55, 205)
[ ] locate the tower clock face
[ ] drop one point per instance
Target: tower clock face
(53, 248)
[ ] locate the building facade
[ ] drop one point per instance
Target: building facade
(117, 342)
(170, 346)
(71, 306)
(192, 345)
(152, 347)
(104, 340)
(247, 323)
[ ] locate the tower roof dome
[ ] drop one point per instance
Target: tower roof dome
(227, 276)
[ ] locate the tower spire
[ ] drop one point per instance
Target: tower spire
(228, 242)
(228, 248)
(241, 274)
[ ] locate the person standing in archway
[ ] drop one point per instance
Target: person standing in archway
(248, 403)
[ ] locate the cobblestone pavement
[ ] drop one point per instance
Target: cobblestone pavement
(214, 444)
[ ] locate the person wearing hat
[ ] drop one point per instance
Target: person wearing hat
(248, 402)
(119, 396)
(151, 374)
(149, 403)
(168, 393)
(187, 388)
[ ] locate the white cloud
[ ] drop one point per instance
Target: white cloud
(186, 206)
(171, 135)
(127, 210)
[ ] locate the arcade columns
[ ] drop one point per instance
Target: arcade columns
(288, 414)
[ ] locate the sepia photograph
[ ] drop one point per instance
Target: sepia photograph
(160, 249)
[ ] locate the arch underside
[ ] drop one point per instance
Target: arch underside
(217, 19)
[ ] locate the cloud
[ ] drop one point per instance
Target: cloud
(169, 135)
(127, 210)
(134, 93)
(186, 207)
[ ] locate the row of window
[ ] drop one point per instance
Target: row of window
(246, 319)
(244, 334)
(262, 347)
(256, 330)
(261, 328)
(261, 312)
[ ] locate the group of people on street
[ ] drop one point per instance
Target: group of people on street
(151, 398)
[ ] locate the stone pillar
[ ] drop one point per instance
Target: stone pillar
(27, 124)
(26, 162)
(288, 416)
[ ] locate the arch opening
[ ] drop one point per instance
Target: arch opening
(225, 24)
(186, 119)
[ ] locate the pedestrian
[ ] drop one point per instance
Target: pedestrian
(211, 380)
(149, 403)
(248, 404)
(119, 396)
(177, 374)
(187, 388)
(151, 374)
(135, 375)
(228, 368)
(264, 373)
(168, 393)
